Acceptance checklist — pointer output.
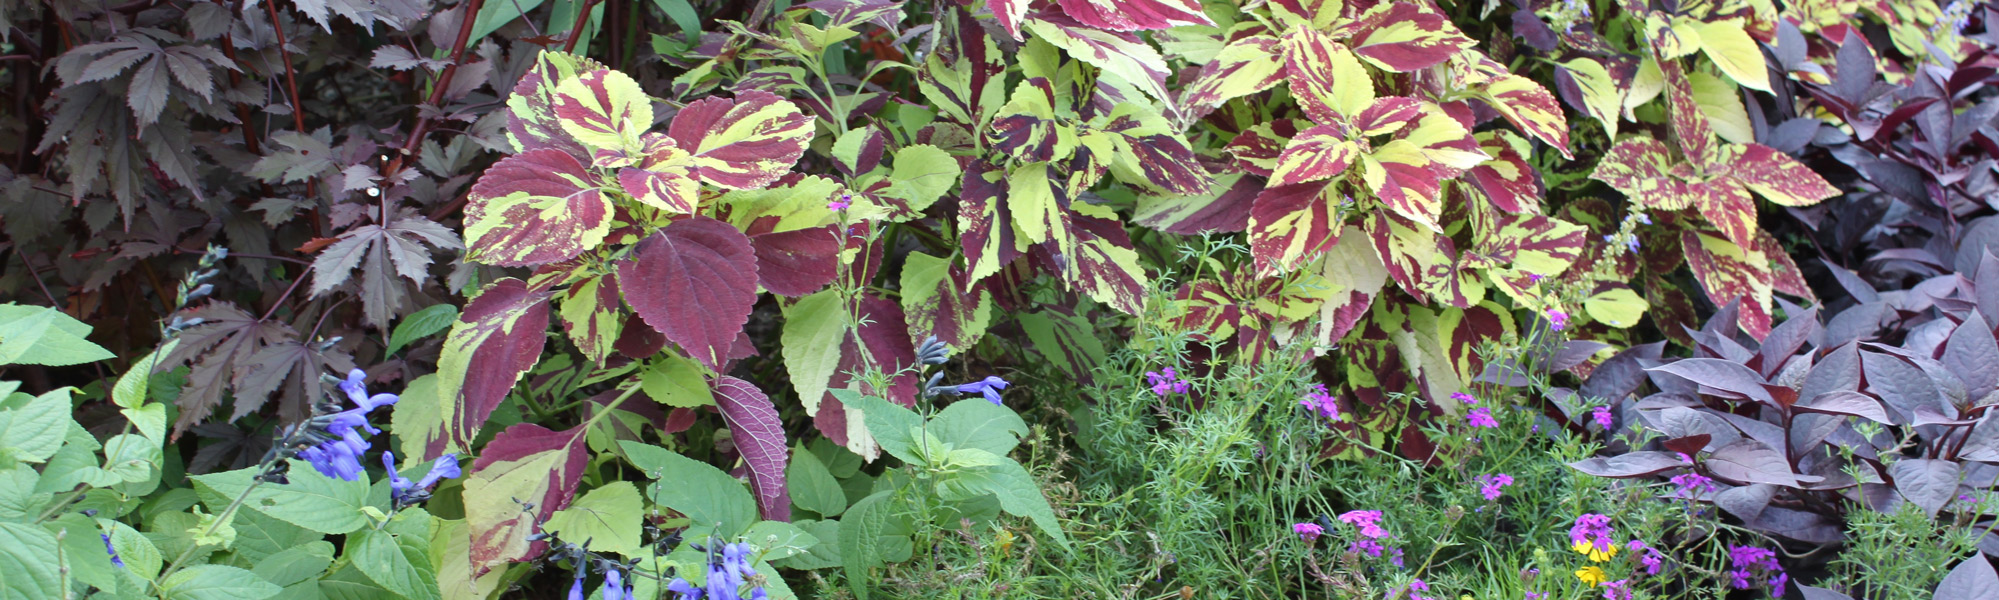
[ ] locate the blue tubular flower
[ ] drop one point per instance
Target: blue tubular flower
(113, 551)
(445, 467)
(990, 387)
(340, 446)
(614, 586)
(399, 486)
(576, 589)
(686, 590)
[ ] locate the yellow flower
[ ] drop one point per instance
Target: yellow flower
(1591, 575)
(1594, 553)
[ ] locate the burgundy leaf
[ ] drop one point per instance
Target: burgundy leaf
(1842, 402)
(759, 436)
(1635, 464)
(797, 262)
(1750, 461)
(1721, 375)
(1972, 579)
(695, 281)
(1926, 482)
(498, 337)
(1689, 445)
(1973, 354)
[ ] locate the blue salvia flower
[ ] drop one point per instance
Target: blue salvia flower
(728, 571)
(339, 445)
(113, 551)
(990, 387)
(576, 589)
(406, 492)
(614, 586)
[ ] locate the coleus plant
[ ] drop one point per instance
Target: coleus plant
(1788, 434)
(617, 220)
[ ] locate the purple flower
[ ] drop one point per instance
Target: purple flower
(1166, 382)
(576, 589)
(113, 551)
(339, 446)
(1647, 556)
(1481, 417)
(1752, 565)
(686, 590)
(1617, 590)
(1602, 417)
(1693, 483)
(1367, 521)
(1535, 596)
(1489, 485)
(1591, 536)
(845, 201)
(1557, 320)
(1308, 531)
(990, 387)
(1318, 400)
(1395, 557)
(1464, 397)
(1367, 547)
(1534, 277)
(1415, 587)
(614, 586)
(1643, 218)
(406, 492)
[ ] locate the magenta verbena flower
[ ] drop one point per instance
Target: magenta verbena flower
(1319, 401)
(1603, 417)
(1648, 557)
(1752, 565)
(1490, 485)
(1557, 320)
(1481, 417)
(1617, 590)
(1693, 483)
(1368, 547)
(1367, 521)
(1308, 531)
(1464, 397)
(1591, 535)
(1166, 382)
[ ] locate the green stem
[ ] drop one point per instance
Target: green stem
(225, 517)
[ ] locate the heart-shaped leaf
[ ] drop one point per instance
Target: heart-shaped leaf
(695, 281)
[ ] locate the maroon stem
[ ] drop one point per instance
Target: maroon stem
(424, 123)
(298, 110)
(576, 30)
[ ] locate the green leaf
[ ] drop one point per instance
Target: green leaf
(1617, 307)
(28, 563)
(683, 16)
(422, 324)
(704, 493)
(133, 458)
(976, 423)
(310, 500)
(294, 565)
(142, 558)
(150, 420)
(216, 582)
(1731, 48)
(605, 519)
(416, 417)
(814, 328)
(813, 487)
(18, 499)
(32, 429)
(888, 422)
(83, 551)
(825, 554)
(34, 335)
(494, 15)
(1723, 107)
(921, 175)
(1018, 494)
(860, 545)
(676, 381)
(399, 563)
(779, 539)
(130, 392)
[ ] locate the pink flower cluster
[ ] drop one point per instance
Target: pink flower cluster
(1603, 418)
(1489, 485)
(1557, 320)
(1368, 524)
(1319, 401)
(1753, 565)
(1693, 483)
(1617, 590)
(1592, 532)
(1308, 531)
(1648, 557)
(1165, 382)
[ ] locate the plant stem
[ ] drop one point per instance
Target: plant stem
(425, 123)
(227, 515)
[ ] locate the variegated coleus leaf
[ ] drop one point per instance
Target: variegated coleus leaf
(1224, 207)
(986, 221)
(1408, 250)
(1122, 55)
(1103, 264)
(1528, 106)
(1250, 63)
(695, 281)
(603, 109)
(1026, 127)
(536, 207)
(1517, 251)
(938, 298)
(1149, 152)
(1775, 175)
(795, 262)
(502, 332)
(1728, 272)
(1506, 181)
(1009, 14)
(531, 120)
(1256, 149)
(1290, 224)
(1354, 273)
(1691, 129)
(519, 479)
(739, 144)
(1428, 148)
(593, 314)
(1400, 36)
(964, 81)
(1135, 15)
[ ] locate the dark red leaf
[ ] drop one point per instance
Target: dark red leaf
(759, 436)
(797, 262)
(695, 280)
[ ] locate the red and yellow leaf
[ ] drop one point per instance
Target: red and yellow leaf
(1401, 36)
(536, 207)
(1776, 176)
(1289, 224)
(1135, 15)
(744, 143)
(604, 109)
(520, 478)
(502, 331)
